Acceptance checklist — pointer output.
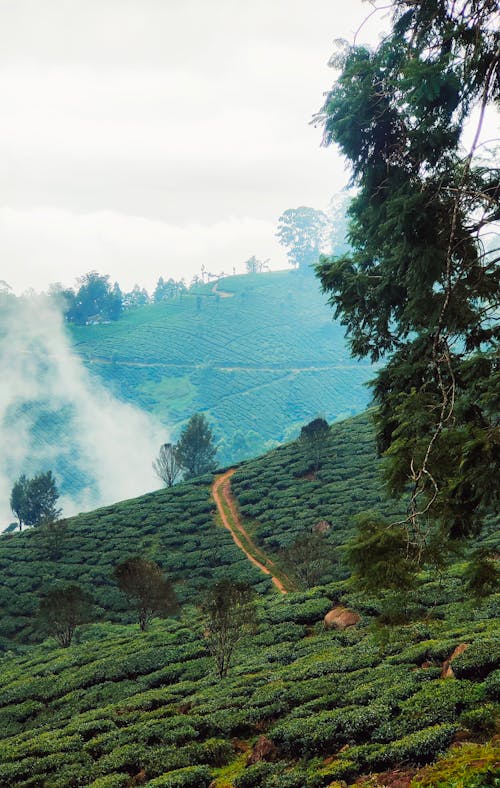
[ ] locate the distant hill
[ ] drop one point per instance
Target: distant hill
(260, 355)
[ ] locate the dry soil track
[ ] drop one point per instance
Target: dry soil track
(221, 491)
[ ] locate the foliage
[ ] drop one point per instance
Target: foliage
(96, 299)
(195, 451)
(147, 704)
(378, 555)
(167, 466)
(421, 283)
(33, 501)
(482, 574)
(169, 289)
(258, 378)
(314, 437)
(472, 765)
(229, 615)
(62, 610)
(308, 557)
(144, 583)
(302, 232)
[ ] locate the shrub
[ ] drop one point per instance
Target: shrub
(478, 660)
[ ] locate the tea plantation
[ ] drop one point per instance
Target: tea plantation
(258, 354)
(121, 707)
(177, 528)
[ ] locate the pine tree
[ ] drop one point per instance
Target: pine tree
(420, 287)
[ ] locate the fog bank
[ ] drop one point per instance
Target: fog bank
(55, 416)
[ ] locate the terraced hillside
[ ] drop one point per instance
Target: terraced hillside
(120, 708)
(302, 707)
(259, 354)
(178, 527)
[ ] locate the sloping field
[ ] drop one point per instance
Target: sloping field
(121, 708)
(259, 362)
(179, 529)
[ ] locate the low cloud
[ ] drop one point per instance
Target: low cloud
(55, 416)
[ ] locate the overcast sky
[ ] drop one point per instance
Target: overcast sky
(148, 137)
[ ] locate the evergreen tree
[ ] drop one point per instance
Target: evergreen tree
(420, 287)
(196, 450)
(33, 501)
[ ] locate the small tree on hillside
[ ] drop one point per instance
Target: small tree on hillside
(309, 558)
(196, 450)
(62, 610)
(229, 615)
(18, 500)
(166, 466)
(314, 438)
(146, 586)
(33, 501)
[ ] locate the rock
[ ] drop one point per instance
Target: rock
(264, 750)
(341, 618)
(321, 527)
(447, 671)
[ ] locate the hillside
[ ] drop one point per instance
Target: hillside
(120, 708)
(178, 528)
(259, 354)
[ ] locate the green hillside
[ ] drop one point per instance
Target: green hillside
(178, 528)
(120, 708)
(259, 354)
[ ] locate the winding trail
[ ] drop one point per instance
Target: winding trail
(226, 506)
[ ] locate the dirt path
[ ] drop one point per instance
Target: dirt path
(221, 491)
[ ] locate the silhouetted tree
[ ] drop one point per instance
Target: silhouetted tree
(167, 466)
(196, 450)
(302, 232)
(144, 583)
(62, 610)
(229, 615)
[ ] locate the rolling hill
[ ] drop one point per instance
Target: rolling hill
(258, 354)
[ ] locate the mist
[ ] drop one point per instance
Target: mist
(55, 416)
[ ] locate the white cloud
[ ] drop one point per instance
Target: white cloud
(53, 245)
(181, 112)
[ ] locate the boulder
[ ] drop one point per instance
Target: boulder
(341, 618)
(447, 671)
(321, 527)
(264, 750)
